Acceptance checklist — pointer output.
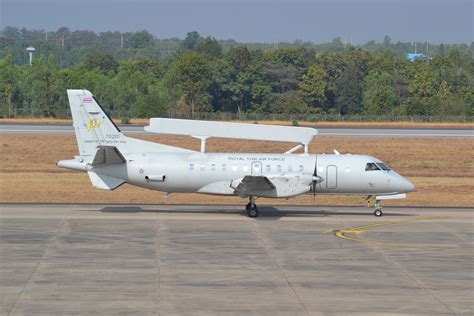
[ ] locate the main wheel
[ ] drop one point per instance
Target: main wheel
(248, 206)
(378, 212)
(252, 212)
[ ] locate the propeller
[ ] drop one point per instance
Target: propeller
(316, 179)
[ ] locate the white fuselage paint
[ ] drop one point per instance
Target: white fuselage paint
(213, 173)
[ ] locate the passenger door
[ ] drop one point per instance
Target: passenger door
(331, 177)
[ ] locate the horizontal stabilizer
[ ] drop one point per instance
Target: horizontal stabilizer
(302, 135)
(104, 182)
(107, 155)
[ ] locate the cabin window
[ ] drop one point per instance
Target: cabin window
(213, 167)
(371, 167)
(383, 166)
(202, 167)
(234, 167)
(290, 168)
(348, 170)
(224, 167)
(279, 168)
(320, 170)
(191, 167)
(269, 168)
(301, 168)
(245, 168)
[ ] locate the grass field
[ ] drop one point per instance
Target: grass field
(441, 168)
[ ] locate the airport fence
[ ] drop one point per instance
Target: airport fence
(125, 116)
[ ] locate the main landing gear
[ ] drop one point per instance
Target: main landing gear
(251, 208)
(378, 209)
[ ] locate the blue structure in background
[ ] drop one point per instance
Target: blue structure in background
(417, 56)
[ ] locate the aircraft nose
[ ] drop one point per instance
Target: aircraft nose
(407, 186)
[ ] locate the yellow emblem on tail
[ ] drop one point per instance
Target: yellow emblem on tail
(93, 123)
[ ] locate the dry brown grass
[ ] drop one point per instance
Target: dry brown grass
(441, 168)
(285, 123)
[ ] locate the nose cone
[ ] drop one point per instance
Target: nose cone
(407, 186)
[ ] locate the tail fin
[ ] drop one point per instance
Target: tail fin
(91, 123)
(95, 128)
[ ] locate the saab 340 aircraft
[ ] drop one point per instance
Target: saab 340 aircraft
(111, 159)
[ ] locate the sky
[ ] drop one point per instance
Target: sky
(448, 21)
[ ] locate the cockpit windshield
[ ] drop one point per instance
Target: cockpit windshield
(383, 166)
(370, 166)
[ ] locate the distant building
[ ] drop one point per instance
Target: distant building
(417, 56)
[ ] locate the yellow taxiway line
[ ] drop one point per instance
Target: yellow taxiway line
(342, 233)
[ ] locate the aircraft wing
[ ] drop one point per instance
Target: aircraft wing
(251, 184)
(272, 185)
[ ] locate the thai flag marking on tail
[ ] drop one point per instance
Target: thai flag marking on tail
(87, 100)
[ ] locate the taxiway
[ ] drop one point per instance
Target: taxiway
(198, 259)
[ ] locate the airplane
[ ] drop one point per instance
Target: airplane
(112, 159)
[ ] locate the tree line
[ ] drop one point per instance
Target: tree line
(198, 74)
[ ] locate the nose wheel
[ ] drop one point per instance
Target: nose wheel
(251, 208)
(378, 209)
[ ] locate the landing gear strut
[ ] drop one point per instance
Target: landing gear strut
(251, 208)
(378, 209)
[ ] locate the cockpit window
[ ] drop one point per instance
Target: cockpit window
(371, 167)
(383, 166)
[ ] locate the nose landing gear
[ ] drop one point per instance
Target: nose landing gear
(251, 208)
(378, 209)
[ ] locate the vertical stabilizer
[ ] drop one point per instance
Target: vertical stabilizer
(95, 128)
(92, 125)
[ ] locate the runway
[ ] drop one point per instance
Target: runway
(198, 259)
(360, 132)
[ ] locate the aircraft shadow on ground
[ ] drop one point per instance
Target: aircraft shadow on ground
(266, 212)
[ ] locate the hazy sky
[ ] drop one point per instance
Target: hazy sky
(254, 20)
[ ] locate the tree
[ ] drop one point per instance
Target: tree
(290, 102)
(105, 62)
(47, 85)
(141, 39)
(191, 40)
(282, 77)
(209, 46)
(288, 56)
(7, 85)
(314, 86)
(422, 91)
(469, 103)
(241, 81)
(193, 75)
(348, 92)
(379, 96)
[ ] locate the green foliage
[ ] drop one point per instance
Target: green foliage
(241, 82)
(209, 46)
(104, 62)
(192, 73)
(469, 103)
(191, 40)
(288, 103)
(314, 85)
(379, 96)
(134, 74)
(141, 39)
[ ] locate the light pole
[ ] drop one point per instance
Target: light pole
(30, 50)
